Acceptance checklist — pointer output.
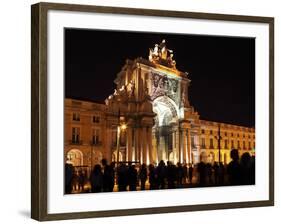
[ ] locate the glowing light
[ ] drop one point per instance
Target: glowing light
(123, 126)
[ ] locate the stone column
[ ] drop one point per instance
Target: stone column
(108, 144)
(129, 145)
(155, 144)
(174, 140)
(179, 148)
(197, 143)
(139, 86)
(136, 150)
(134, 144)
(140, 145)
(181, 145)
(149, 144)
(144, 145)
(184, 137)
(162, 148)
(189, 146)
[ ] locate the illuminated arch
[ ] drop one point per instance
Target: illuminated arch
(166, 110)
(74, 157)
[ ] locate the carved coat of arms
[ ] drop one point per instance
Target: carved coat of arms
(164, 86)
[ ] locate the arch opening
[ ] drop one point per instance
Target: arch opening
(74, 157)
(164, 128)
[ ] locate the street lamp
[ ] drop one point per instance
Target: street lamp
(123, 127)
(219, 142)
(120, 127)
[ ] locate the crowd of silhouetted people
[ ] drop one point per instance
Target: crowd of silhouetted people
(240, 171)
(132, 177)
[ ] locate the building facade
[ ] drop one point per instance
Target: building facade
(151, 104)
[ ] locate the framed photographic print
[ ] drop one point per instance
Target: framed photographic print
(138, 111)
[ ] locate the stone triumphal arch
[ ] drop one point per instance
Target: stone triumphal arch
(151, 98)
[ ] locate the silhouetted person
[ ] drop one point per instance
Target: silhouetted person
(152, 177)
(253, 170)
(122, 177)
(75, 180)
(221, 174)
(179, 174)
(216, 173)
(209, 171)
(81, 180)
(202, 173)
(190, 173)
(171, 175)
(185, 173)
(234, 168)
(112, 176)
(246, 169)
(96, 179)
(68, 178)
(143, 175)
(161, 174)
(132, 178)
(107, 176)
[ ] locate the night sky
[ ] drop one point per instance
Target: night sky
(221, 69)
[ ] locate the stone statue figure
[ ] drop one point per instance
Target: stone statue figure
(146, 90)
(132, 88)
(184, 100)
(161, 54)
(171, 55)
(150, 57)
(164, 53)
(156, 50)
(163, 44)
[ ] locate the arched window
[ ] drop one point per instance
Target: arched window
(75, 157)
